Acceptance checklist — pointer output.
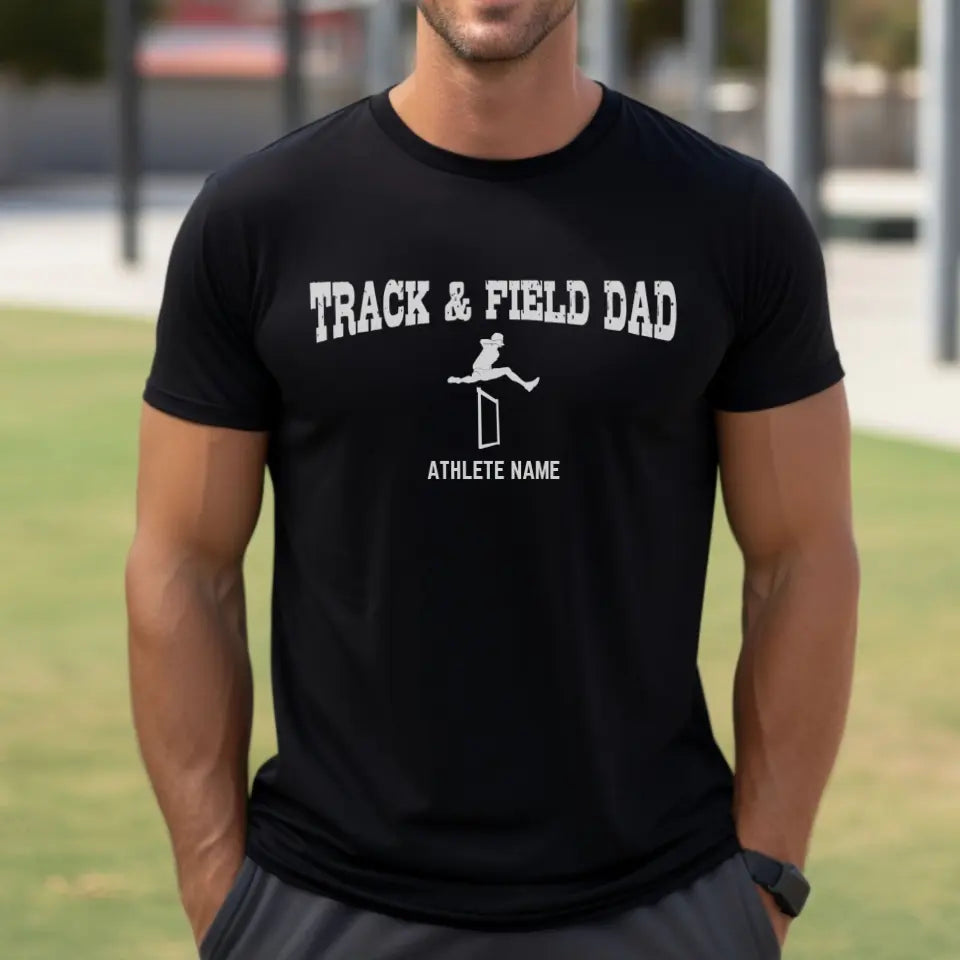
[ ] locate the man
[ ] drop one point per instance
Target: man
(484, 369)
(533, 776)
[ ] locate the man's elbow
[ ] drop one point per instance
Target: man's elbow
(836, 552)
(850, 562)
(149, 574)
(164, 581)
(830, 563)
(843, 570)
(827, 556)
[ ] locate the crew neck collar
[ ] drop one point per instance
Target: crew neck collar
(494, 169)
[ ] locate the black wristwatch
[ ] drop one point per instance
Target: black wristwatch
(782, 880)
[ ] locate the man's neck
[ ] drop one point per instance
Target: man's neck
(502, 110)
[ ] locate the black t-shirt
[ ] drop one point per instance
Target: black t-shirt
(490, 390)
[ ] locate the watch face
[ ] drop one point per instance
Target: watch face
(792, 890)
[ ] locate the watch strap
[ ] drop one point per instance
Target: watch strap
(784, 881)
(765, 870)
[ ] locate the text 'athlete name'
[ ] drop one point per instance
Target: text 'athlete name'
(493, 470)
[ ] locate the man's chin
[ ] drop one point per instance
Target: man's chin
(491, 45)
(492, 30)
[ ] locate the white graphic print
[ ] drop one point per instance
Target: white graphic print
(639, 308)
(484, 369)
(495, 403)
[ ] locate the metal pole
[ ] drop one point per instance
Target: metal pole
(126, 82)
(293, 114)
(702, 25)
(604, 41)
(941, 159)
(795, 144)
(383, 44)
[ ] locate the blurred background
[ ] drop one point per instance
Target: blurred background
(111, 114)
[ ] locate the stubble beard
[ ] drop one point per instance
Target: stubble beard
(545, 18)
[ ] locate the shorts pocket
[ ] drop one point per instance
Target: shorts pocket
(766, 937)
(223, 919)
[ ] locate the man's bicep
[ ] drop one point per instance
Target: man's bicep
(200, 487)
(785, 473)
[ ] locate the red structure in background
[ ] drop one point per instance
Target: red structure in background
(241, 38)
(246, 12)
(205, 11)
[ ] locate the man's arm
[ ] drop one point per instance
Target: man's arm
(198, 500)
(785, 473)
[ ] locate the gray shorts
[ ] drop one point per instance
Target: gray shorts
(719, 917)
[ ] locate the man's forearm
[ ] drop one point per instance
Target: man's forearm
(792, 691)
(192, 699)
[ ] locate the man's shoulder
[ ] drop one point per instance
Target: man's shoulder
(311, 152)
(685, 155)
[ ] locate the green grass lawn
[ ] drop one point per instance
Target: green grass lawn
(85, 870)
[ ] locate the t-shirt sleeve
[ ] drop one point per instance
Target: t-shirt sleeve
(783, 347)
(206, 367)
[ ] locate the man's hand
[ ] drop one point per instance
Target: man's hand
(202, 896)
(778, 919)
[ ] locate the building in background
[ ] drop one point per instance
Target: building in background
(197, 38)
(213, 72)
(212, 90)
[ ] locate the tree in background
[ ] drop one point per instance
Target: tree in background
(883, 32)
(653, 23)
(42, 39)
(744, 41)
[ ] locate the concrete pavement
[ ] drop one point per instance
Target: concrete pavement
(59, 242)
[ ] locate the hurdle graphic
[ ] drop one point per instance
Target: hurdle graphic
(485, 368)
(491, 402)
